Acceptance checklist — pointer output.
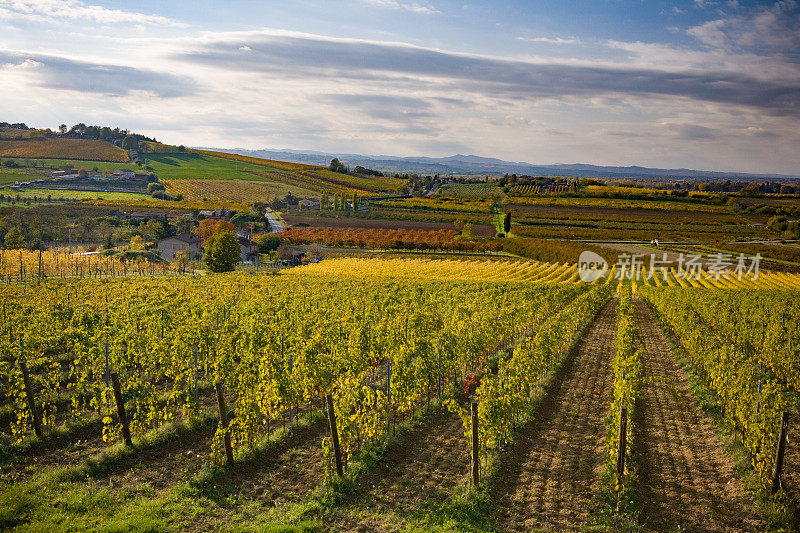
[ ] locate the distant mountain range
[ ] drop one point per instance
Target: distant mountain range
(472, 165)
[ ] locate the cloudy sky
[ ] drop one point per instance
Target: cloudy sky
(693, 83)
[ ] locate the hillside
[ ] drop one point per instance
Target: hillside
(199, 175)
(475, 165)
(59, 148)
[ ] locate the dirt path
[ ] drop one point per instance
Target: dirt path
(686, 480)
(425, 466)
(549, 479)
(286, 471)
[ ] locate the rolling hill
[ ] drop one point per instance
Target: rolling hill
(198, 175)
(59, 148)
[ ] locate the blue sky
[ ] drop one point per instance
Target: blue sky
(699, 84)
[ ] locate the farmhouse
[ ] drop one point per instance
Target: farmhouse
(191, 244)
(123, 174)
(248, 249)
(222, 214)
(309, 203)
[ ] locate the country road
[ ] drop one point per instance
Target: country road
(274, 223)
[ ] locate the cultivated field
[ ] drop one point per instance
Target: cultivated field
(464, 395)
(57, 148)
(230, 190)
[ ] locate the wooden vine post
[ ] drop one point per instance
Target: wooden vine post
(622, 444)
(123, 417)
(439, 377)
(37, 424)
(337, 453)
(476, 458)
(781, 451)
(223, 420)
(196, 396)
(388, 397)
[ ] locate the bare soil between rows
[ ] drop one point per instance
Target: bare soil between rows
(424, 467)
(549, 479)
(686, 479)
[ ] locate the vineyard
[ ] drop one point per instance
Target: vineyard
(310, 176)
(619, 203)
(215, 190)
(55, 148)
(531, 189)
(442, 204)
(385, 393)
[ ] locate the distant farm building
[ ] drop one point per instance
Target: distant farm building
(191, 244)
(248, 249)
(308, 203)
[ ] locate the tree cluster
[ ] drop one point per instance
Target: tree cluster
(367, 171)
(414, 239)
(337, 166)
(104, 133)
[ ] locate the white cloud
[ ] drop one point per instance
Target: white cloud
(415, 7)
(276, 88)
(27, 64)
(550, 40)
(75, 10)
(770, 29)
(710, 33)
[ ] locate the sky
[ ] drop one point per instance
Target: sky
(703, 84)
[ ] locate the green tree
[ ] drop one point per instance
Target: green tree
(130, 143)
(337, 166)
(14, 239)
(507, 223)
(778, 223)
(222, 251)
(268, 242)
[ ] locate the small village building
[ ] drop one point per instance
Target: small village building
(308, 203)
(248, 249)
(191, 244)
